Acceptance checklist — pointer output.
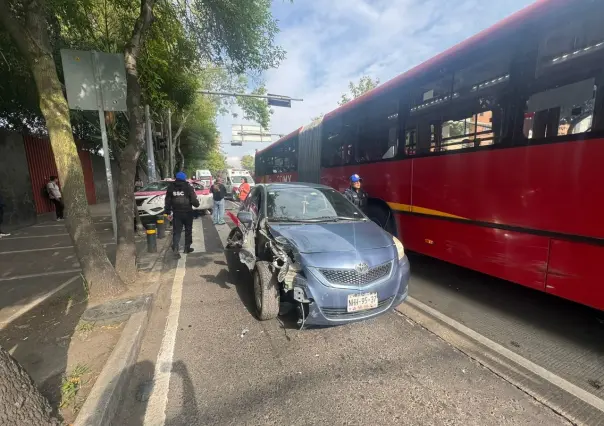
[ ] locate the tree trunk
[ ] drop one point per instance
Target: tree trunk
(20, 401)
(125, 261)
(33, 42)
(181, 158)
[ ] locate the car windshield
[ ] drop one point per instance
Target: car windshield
(239, 179)
(307, 204)
(155, 186)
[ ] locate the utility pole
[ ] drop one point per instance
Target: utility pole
(245, 95)
(150, 151)
(170, 151)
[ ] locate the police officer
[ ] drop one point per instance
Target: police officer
(355, 194)
(180, 200)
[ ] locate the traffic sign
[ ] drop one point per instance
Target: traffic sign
(275, 100)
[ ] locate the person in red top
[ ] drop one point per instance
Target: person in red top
(244, 190)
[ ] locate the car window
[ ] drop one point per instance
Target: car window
(155, 186)
(307, 203)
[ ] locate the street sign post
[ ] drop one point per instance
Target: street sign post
(279, 101)
(97, 81)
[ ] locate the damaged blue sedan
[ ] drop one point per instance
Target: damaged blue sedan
(307, 245)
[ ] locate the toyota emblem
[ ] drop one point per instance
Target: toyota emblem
(362, 268)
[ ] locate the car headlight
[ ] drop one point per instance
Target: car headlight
(399, 248)
(157, 199)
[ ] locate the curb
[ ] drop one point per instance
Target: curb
(534, 383)
(103, 402)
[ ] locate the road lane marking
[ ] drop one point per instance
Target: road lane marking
(43, 249)
(155, 414)
(36, 302)
(43, 274)
(554, 379)
(199, 242)
(63, 224)
(34, 236)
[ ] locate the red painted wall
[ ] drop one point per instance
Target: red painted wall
(41, 163)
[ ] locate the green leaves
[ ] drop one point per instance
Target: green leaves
(364, 85)
(248, 163)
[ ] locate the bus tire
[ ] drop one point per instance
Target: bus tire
(382, 215)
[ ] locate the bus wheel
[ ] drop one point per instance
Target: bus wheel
(383, 217)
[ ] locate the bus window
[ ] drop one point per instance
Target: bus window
(378, 136)
(338, 143)
(410, 141)
(575, 42)
(473, 131)
(560, 111)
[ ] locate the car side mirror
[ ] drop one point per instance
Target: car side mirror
(245, 218)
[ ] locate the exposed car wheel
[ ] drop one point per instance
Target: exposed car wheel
(266, 292)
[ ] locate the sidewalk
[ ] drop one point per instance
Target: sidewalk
(43, 298)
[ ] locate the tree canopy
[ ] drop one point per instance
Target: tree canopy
(364, 85)
(248, 163)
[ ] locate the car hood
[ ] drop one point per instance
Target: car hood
(333, 237)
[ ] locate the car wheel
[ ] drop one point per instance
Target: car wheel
(266, 292)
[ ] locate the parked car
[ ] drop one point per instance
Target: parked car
(150, 200)
(308, 245)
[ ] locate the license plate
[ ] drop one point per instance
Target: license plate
(362, 302)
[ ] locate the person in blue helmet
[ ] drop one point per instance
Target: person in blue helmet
(357, 195)
(180, 200)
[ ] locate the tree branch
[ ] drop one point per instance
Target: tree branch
(182, 125)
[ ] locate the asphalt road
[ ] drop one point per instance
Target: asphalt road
(212, 362)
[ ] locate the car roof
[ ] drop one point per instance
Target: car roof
(283, 185)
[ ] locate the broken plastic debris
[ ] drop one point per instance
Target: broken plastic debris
(244, 332)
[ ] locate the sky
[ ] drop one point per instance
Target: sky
(332, 42)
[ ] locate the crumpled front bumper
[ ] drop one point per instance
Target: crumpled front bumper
(329, 304)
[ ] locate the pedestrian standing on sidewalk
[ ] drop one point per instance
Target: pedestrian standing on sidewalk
(2, 234)
(54, 193)
(218, 193)
(180, 200)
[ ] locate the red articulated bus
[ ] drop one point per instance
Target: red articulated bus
(489, 156)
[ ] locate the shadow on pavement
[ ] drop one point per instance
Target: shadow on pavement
(40, 339)
(242, 278)
(580, 324)
(189, 412)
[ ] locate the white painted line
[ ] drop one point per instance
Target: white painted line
(156, 408)
(34, 236)
(44, 274)
(199, 243)
(556, 380)
(34, 303)
(63, 224)
(43, 249)
(155, 414)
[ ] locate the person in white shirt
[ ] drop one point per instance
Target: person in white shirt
(54, 193)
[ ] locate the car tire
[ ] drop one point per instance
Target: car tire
(266, 292)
